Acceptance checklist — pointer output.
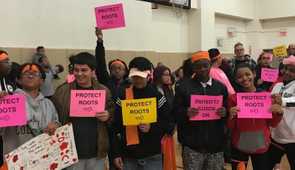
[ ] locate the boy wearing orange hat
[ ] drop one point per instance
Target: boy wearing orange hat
(202, 140)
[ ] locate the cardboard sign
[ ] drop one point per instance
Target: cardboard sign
(269, 75)
(45, 152)
(207, 106)
(110, 16)
(86, 103)
(254, 105)
(139, 111)
(280, 51)
(13, 111)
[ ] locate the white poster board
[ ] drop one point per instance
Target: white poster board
(45, 152)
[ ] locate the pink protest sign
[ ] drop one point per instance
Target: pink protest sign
(110, 16)
(207, 106)
(86, 103)
(269, 75)
(254, 105)
(13, 111)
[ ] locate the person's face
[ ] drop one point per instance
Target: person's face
(83, 74)
(291, 49)
(166, 77)
(139, 82)
(41, 51)
(245, 77)
(45, 62)
(180, 74)
(219, 60)
(239, 51)
(265, 61)
(289, 73)
(201, 69)
(5, 67)
(30, 80)
(118, 71)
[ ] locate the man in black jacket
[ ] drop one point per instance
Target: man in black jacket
(144, 153)
(202, 140)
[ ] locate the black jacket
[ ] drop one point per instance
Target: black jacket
(150, 143)
(201, 136)
(102, 72)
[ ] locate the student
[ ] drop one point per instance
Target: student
(202, 141)
(284, 134)
(164, 82)
(41, 113)
(90, 133)
(250, 137)
(144, 151)
(118, 68)
(6, 86)
(264, 61)
(40, 51)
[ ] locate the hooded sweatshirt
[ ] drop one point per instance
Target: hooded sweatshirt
(285, 132)
(40, 112)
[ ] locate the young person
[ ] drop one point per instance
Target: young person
(90, 133)
(283, 136)
(139, 147)
(203, 141)
(41, 114)
(250, 137)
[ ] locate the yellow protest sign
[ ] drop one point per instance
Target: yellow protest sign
(280, 51)
(139, 111)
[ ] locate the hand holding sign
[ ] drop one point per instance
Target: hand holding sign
(277, 109)
(103, 116)
(233, 112)
(192, 112)
(145, 128)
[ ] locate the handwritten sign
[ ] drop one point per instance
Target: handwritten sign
(254, 105)
(13, 111)
(139, 111)
(269, 75)
(207, 106)
(280, 51)
(86, 103)
(110, 16)
(45, 152)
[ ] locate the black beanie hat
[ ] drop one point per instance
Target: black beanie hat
(141, 63)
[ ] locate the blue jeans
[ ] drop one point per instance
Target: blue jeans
(149, 163)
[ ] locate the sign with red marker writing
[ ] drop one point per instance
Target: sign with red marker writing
(13, 111)
(110, 16)
(45, 152)
(269, 75)
(207, 106)
(86, 103)
(254, 105)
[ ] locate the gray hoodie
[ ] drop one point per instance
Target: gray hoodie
(40, 112)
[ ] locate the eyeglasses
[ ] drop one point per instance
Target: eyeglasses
(31, 75)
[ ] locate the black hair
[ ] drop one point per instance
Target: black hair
(244, 65)
(1, 52)
(42, 72)
(39, 48)
(213, 52)
(84, 58)
(187, 68)
(141, 63)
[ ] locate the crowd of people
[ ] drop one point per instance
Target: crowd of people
(206, 144)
